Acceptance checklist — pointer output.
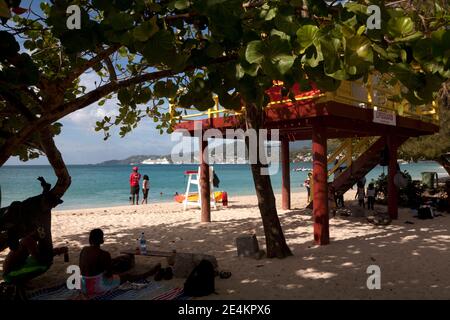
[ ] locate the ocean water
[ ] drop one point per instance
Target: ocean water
(104, 186)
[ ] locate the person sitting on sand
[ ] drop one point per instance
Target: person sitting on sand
(33, 256)
(98, 269)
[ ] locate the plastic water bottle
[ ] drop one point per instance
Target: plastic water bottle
(143, 244)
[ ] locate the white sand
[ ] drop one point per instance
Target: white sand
(414, 258)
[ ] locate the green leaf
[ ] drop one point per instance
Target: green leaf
(123, 52)
(8, 44)
(159, 47)
(165, 89)
(255, 51)
(399, 27)
(121, 21)
(146, 30)
(182, 4)
(359, 47)
(329, 47)
(356, 8)
(306, 35)
(124, 96)
(361, 30)
(268, 13)
(287, 22)
(313, 56)
(4, 10)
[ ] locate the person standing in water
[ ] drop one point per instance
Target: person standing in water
(135, 176)
(145, 188)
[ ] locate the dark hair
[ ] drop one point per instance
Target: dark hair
(96, 237)
(145, 177)
(371, 186)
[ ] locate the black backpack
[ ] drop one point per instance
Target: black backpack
(201, 280)
(425, 213)
(216, 180)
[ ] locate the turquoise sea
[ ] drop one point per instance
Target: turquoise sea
(100, 186)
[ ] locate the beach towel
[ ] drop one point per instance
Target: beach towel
(99, 284)
(173, 294)
(58, 292)
(140, 290)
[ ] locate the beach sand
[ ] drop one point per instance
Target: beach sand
(414, 258)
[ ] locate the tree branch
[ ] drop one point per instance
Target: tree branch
(63, 110)
(78, 71)
(111, 70)
(15, 102)
(57, 163)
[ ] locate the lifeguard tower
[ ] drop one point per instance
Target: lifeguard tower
(193, 182)
(360, 115)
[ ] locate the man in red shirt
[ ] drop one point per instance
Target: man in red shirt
(135, 176)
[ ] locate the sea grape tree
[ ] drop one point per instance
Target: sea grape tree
(148, 51)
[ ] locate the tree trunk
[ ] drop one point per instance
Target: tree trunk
(275, 242)
(276, 245)
(444, 161)
(57, 163)
(34, 214)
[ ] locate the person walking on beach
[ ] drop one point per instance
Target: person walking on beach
(145, 188)
(307, 185)
(135, 176)
(360, 195)
(361, 183)
(370, 196)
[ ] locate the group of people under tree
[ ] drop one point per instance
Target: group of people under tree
(362, 194)
(337, 197)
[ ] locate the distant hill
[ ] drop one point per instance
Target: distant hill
(137, 159)
(299, 149)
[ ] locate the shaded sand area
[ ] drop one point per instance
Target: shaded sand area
(414, 258)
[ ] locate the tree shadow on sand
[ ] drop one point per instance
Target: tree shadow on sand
(413, 258)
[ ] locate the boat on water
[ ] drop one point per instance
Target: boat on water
(301, 169)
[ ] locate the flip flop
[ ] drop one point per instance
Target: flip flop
(224, 274)
(159, 275)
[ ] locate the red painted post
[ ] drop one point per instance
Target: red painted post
(392, 170)
(320, 185)
(205, 192)
(286, 175)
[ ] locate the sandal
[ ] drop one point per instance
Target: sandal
(224, 274)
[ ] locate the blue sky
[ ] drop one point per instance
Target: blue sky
(80, 144)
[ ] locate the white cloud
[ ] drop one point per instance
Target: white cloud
(88, 116)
